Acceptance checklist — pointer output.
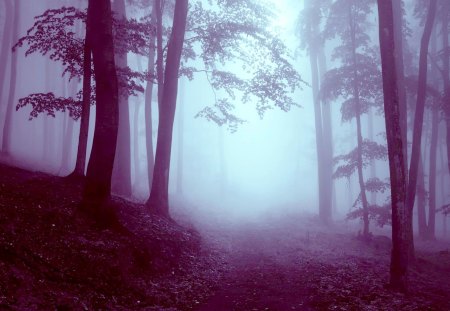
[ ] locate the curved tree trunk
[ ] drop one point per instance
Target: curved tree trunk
(80, 164)
(98, 178)
(159, 197)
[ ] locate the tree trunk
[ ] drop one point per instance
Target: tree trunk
(5, 49)
(158, 201)
(327, 143)
(80, 165)
(418, 117)
(315, 83)
(180, 153)
(362, 185)
(432, 175)
(148, 104)
(446, 73)
(122, 164)
(421, 202)
(98, 178)
(398, 37)
(392, 112)
(6, 142)
(373, 173)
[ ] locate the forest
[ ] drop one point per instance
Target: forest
(224, 155)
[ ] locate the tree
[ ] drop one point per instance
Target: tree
(122, 164)
(309, 24)
(6, 41)
(418, 118)
(392, 111)
(98, 178)
(53, 35)
(6, 142)
(357, 81)
(158, 201)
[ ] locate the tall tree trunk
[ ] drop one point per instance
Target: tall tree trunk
(373, 174)
(148, 104)
(158, 201)
(6, 142)
(180, 153)
(327, 143)
(315, 82)
(98, 178)
(80, 164)
(446, 72)
(432, 175)
(421, 202)
(159, 50)
(392, 112)
(5, 48)
(122, 165)
(68, 131)
(418, 117)
(362, 185)
(398, 37)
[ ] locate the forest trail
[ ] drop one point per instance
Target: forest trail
(262, 275)
(294, 263)
(51, 260)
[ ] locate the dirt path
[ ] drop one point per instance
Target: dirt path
(264, 274)
(286, 266)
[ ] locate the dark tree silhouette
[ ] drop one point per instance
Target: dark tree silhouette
(400, 211)
(98, 177)
(159, 196)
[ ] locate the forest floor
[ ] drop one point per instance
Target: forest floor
(53, 259)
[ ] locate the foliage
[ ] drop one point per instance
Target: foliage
(50, 104)
(236, 34)
(348, 163)
(54, 33)
(381, 214)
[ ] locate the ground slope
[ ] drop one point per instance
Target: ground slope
(52, 259)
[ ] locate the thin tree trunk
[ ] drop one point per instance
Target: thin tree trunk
(80, 165)
(180, 153)
(148, 104)
(446, 72)
(327, 143)
(421, 202)
(362, 185)
(373, 174)
(315, 83)
(392, 111)
(159, 197)
(418, 117)
(432, 175)
(7, 126)
(98, 178)
(122, 164)
(5, 49)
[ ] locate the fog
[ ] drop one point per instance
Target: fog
(267, 163)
